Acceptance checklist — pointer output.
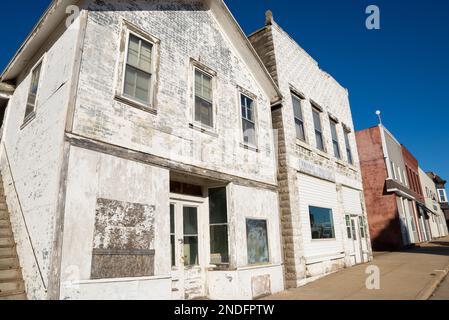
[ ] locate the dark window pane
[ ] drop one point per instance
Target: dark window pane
(172, 218)
(300, 130)
(319, 140)
(203, 111)
(217, 206)
(172, 243)
(32, 95)
(316, 120)
(354, 234)
(219, 244)
(249, 132)
(321, 223)
(336, 149)
(297, 109)
(348, 148)
(190, 221)
(191, 251)
(257, 241)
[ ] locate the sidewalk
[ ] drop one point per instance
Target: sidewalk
(408, 275)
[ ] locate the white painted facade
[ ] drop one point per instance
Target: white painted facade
(87, 144)
(437, 221)
(309, 176)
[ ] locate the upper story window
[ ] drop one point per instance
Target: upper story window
(299, 119)
(442, 195)
(393, 170)
(318, 129)
(138, 70)
(335, 139)
(348, 148)
(203, 98)
(32, 94)
(248, 120)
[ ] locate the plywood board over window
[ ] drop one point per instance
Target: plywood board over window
(123, 240)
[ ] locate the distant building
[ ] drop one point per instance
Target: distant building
(442, 194)
(435, 194)
(397, 215)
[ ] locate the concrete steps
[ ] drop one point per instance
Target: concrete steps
(12, 286)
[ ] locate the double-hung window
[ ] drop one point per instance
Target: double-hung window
(299, 119)
(138, 70)
(335, 139)
(318, 129)
(442, 194)
(248, 120)
(32, 94)
(203, 98)
(348, 148)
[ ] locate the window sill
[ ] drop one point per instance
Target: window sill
(135, 104)
(341, 162)
(28, 120)
(303, 144)
(249, 147)
(203, 129)
(322, 154)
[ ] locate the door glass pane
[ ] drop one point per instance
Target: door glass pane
(354, 235)
(191, 251)
(190, 220)
(172, 234)
(190, 215)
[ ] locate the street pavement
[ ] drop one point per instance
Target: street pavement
(413, 274)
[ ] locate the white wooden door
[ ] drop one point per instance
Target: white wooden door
(187, 241)
(356, 240)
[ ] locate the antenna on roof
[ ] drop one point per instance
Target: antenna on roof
(379, 116)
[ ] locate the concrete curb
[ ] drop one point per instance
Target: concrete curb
(428, 290)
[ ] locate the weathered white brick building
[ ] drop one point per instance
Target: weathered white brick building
(138, 155)
(322, 207)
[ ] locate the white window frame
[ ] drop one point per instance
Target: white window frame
(318, 110)
(444, 194)
(334, 123)
(129, 29)
(28, 118)
(295, 96)
(196, 65)
(253, 97)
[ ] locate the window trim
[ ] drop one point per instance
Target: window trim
(32, 115)
(128, 29)
(439, 195)
(319, 206)
(333, 122)
(318, 110)
(253, 97)
(348, 146)
(196, 65)
(296, 96)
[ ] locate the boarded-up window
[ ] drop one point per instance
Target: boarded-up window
(123, 240)
(257, 241)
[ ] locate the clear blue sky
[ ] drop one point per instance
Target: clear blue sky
(402, 69)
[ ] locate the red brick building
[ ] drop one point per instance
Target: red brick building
(391, 189)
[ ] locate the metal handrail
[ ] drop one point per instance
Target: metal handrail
(23, 217)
